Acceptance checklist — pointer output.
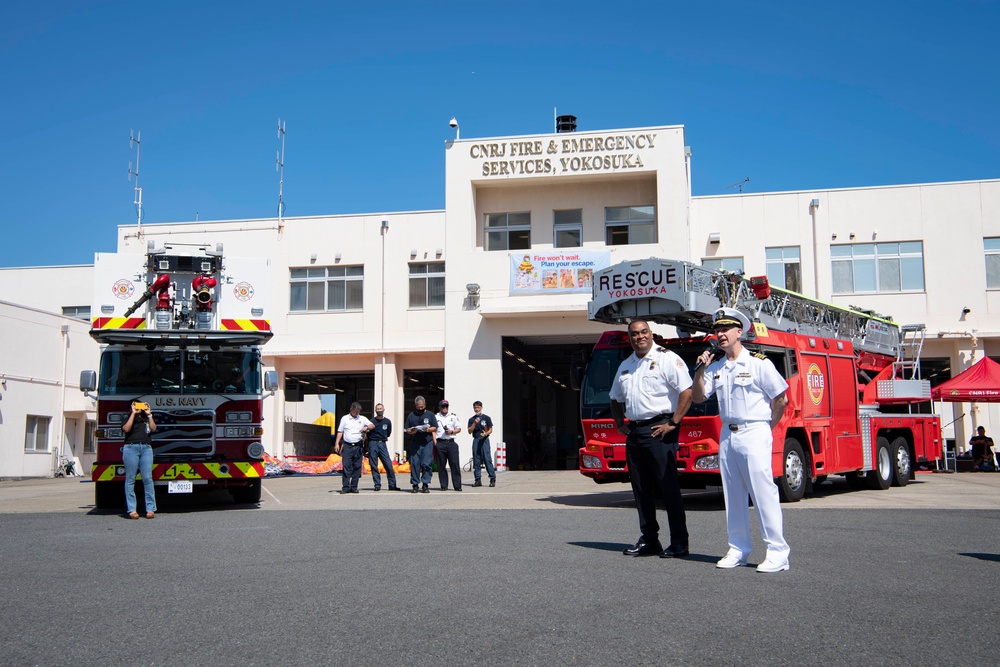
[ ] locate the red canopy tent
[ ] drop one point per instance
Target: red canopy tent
(979, 382)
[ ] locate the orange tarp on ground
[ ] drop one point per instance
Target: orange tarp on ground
(332, 463)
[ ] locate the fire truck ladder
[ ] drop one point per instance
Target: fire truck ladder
(784, 310)
(907, 364)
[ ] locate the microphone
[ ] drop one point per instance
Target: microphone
(717, 353)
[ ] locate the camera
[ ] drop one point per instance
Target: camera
(141, 406)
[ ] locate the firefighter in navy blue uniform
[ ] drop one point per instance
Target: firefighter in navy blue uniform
(653, 390)
(378, 449)
(421, 425)
(751, 402)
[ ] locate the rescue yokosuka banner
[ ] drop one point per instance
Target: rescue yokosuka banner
(555, 271)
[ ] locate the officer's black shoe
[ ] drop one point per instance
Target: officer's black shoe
(415, 489)
(444, 488)
(355, 491)
(344, 491)
(378, 488)
(425, 489)
(675, 551)
(493, 482)
(477, 483)
(644, 548)
(459, 489)
(393, 488)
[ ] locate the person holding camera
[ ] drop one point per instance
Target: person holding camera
(137, 456)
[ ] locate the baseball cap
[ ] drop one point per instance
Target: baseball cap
(442, 404)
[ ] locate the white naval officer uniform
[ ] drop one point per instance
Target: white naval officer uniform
(745, 387)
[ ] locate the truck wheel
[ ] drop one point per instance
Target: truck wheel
(902, 463)
(109, 495)
(244, 495)
(880, 478)
(792, 484)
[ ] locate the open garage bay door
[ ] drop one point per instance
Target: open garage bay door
(541, 420)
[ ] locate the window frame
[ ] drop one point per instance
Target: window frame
(89, 439)
(879, 263)
(352, 276)
(784, 263)
(722, 263)
(77, 312)
(31, 428)
(426, 277)
(994, 253)
(629, 224)
(567, 226)
(506, 228)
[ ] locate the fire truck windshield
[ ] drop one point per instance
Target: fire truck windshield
(179, 372)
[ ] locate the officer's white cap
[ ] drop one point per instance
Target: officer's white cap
(730, 316)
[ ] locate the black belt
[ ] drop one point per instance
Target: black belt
(739, 426)
(355, 444)
(658, 419)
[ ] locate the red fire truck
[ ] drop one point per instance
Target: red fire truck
(193, 353)
(853, 376)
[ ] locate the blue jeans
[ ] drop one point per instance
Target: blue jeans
(481, 454)
(138, 458)
(421, 458)
(379, 451)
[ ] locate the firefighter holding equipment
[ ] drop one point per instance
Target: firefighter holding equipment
(751, 402)
(653, 390)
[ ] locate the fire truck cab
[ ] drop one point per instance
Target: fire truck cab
(853, 379)
(181, 329)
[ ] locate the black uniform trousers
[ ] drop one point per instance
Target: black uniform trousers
(652, 465)
(351, 456)
(447, 452)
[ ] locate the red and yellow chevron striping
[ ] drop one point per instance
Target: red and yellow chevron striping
(246, 325)
(119, 323)
(106, 472)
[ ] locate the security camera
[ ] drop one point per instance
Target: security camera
(453, 122)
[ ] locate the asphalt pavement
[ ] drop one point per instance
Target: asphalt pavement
(528, 573)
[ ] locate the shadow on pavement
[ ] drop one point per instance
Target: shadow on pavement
(995, 558)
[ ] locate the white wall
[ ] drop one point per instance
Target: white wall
(39, 375)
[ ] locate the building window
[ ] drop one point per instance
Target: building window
(992, 247)
(79, 312)
(567, 228)
(783, 268)
(508, 231)
(36, 434)
(89, 442)
(427, 285)
(878, 267)
(629, 225)
(730, 264)
(327, 288)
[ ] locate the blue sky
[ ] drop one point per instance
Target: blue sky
(794, 95)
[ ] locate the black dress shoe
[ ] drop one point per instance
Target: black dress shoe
(477, 483)
(344, 491)
(493, 482)
(355, 491)
(393, 488)
(425, 489)
(675, 551)
(415, 489)
(643, 548)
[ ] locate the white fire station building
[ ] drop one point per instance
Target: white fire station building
(487, 299)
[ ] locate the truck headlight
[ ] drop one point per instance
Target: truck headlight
(237, 416)
(590, 462)
(707, 463)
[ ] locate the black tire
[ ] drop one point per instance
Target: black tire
(902, 462)
(109, 495)
(792, 484)
(245, 495)
(880, 478)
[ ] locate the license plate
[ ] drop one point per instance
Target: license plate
(180, 487)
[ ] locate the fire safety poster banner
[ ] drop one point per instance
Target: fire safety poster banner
(555, 272)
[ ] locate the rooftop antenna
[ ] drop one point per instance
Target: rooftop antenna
(133, 140)
(740, 184)
(279, 166)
